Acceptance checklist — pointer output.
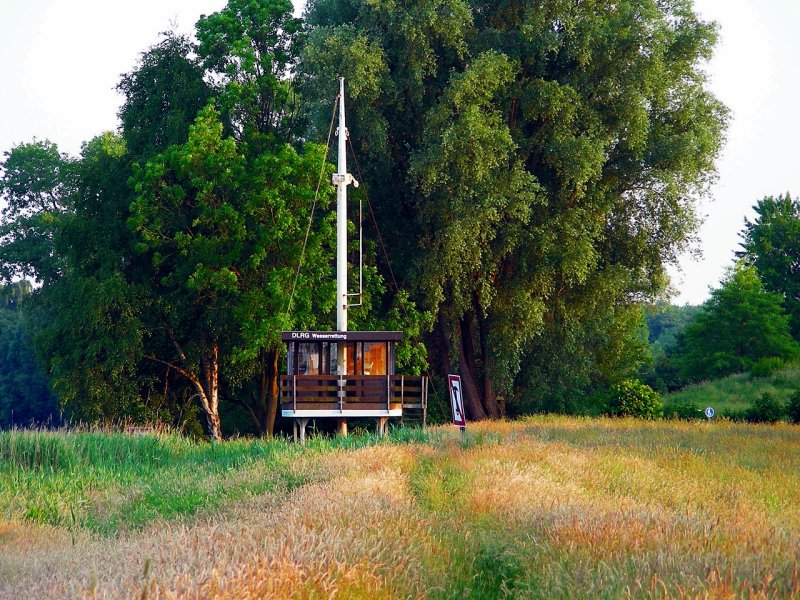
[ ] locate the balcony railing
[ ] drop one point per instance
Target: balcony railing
(352, 395)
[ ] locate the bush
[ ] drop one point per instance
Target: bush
(764, 367)
(793, 409)
(732, 414)
(632, 398)
(686, 410)
(765, 409)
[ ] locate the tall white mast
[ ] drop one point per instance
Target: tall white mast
(341, 179)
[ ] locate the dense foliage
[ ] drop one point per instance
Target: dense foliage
(167, 253)
(631, 398)
(533, 167)
(540, 162)
(25, 396)
(739, 324)
(665, 324)
(771, 243)
(765, 409)
(793, 408)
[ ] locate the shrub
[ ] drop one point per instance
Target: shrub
(764, 367)
(765, 409)
(733, 414)
(632, 398)
(685, 409)
(793, 409)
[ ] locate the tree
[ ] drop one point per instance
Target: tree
(666, 321)
(163, 95)
(529, 156)
(25, 396)
(222, 232)
(771, 242)
(586, 347)
(250, 48)
(36, 184)
(177, 247)
(740, 323)
(69, 230)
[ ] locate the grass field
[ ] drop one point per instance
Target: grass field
(548, 507)
(735, 393)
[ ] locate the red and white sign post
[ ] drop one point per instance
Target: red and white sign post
(457, 402)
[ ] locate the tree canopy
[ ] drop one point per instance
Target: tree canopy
(167, 252)
(540, 163)
(771, 243)
(25, 396)
(740, 323)
(533, 168)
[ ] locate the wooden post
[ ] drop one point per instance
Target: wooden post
(300, 430)
(424, 402)
(343, 427)
(382, 423)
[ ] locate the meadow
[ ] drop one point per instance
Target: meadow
(548, 507)
(735, 393)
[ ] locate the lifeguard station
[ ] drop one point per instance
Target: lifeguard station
(346, 374)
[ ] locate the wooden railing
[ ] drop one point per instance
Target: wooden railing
(353, 392)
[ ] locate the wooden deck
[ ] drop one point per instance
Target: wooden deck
(352, 395)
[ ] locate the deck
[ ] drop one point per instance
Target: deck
(313, 396)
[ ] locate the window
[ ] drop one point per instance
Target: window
(353, 358)
(375, 359)
(308, 359)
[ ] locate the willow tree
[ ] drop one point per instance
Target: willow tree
(532, 157)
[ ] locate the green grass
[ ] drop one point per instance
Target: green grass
(736, 393)
(107, 482)
(547, 507)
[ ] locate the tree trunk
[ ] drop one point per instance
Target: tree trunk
(263, 404)
(473, 405)
(206, 384)
(209, 390)
(490, 403)
(273, 392)
(260, 414)
(444, 345)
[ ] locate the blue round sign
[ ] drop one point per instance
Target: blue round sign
(709, 412)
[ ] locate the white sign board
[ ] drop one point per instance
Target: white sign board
(456, 400)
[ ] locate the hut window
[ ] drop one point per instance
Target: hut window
(375, 359)
(354, 358)
(308, 359)
(330, 358)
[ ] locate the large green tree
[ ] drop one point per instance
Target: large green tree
(36, 185)
(223, 233)
(25, 396)
(740, 323)
(163, 95)
(771, 242)
(534, 159)
(250, 48)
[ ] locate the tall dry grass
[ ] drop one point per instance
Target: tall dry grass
(548, 508)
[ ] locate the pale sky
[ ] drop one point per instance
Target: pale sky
(60, 61)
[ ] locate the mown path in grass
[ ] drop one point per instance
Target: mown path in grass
(549, 507)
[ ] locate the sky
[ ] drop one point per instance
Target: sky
(60, 61)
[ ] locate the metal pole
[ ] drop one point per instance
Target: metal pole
(342, 180)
